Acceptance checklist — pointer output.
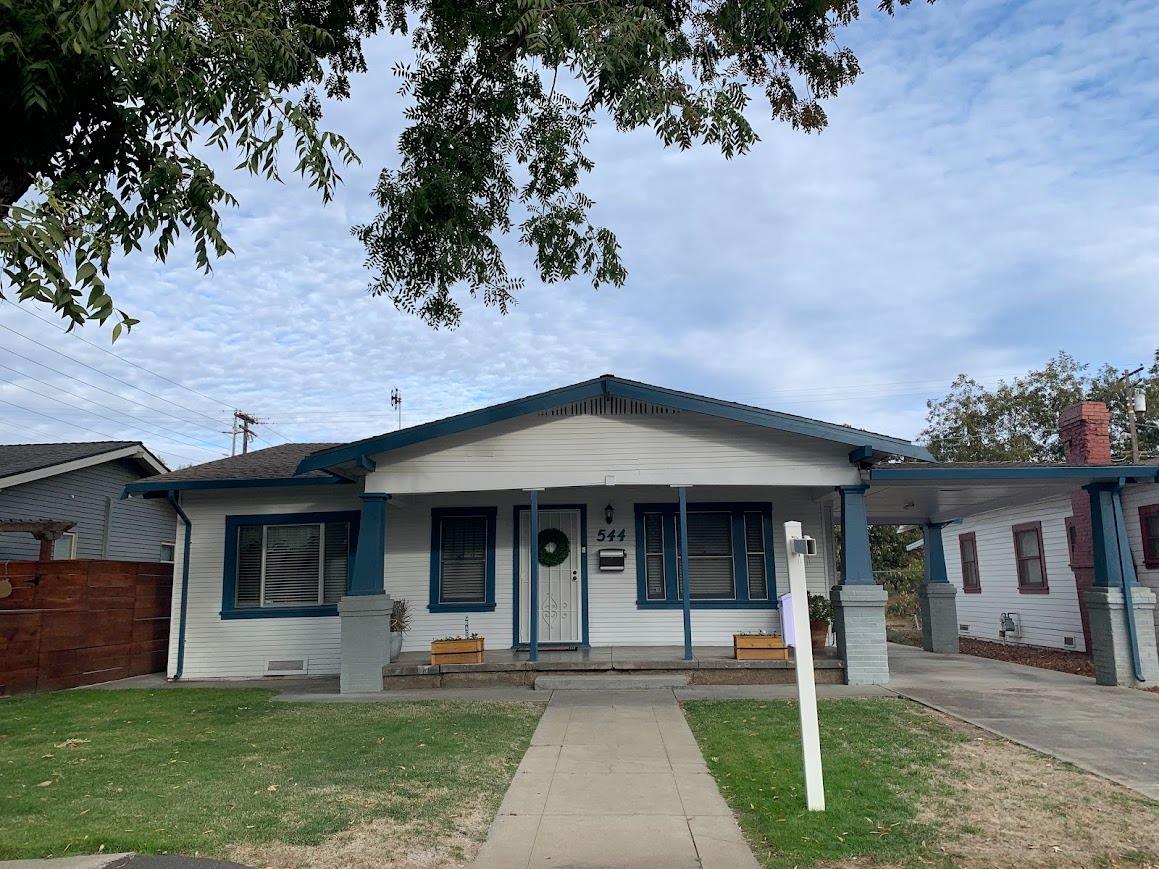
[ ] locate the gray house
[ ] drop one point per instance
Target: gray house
(81, 483)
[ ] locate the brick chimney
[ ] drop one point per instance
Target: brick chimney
(1085, 430)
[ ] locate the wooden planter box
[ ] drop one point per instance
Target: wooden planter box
(759, 647)
(457, 651)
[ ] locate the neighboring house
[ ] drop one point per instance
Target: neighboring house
(82, 483)
(284, 554)
(1023, 570)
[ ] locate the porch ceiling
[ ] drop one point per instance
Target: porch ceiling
(905, 494)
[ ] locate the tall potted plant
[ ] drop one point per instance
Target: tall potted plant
(399, 625)
(820, 617)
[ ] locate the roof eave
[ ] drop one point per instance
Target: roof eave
(146, 487)
(1089, 473)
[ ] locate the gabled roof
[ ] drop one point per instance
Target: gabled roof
(24, 463)
(273, 466)
(875, 445)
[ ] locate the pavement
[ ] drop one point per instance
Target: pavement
(614, 779)
(1111, 732)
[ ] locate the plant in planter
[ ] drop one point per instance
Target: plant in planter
(820, 617)
(759, 646)
(464, 649)
(399, 625)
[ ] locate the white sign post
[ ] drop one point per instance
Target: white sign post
(797, 546)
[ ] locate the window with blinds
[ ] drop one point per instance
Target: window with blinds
(729, 558)
(463, 559)
(292, 565)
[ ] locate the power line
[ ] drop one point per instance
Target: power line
(215, 422)
(191, 441)
(108, 352)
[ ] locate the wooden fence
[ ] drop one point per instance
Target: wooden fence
(70, 623)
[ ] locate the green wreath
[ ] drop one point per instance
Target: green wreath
(554, 547)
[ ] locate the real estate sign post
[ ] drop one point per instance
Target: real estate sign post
(796, 547)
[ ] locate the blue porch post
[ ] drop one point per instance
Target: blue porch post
(533, 547)
(858, 602)
(364, 612)
(936, 595)
(1121, 611)
(686, 597)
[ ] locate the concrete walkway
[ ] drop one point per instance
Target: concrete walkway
(614, 779)
(1112, 732)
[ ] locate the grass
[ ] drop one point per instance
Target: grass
(879, 756)
(206, 770)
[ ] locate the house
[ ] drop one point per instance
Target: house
(1024, 570)
(68, 496)
(563, 519)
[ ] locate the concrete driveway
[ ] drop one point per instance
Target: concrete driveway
(1112, 732)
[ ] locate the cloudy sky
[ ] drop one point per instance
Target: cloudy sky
(985, 195)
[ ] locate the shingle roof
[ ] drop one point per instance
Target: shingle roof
(272, 463)
(22, 458)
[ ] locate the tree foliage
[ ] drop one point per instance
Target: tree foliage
(1017, 420)
(114, 101)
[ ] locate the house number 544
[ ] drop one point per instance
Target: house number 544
(610, 535)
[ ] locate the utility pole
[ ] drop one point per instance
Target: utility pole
(1136, 403)
(396, 402)
(241, 425)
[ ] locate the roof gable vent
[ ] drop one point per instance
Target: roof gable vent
(609, 405)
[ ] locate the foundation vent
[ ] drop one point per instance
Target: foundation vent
(287, 667)
(1068, 641)
(965, 629)
(608, 405)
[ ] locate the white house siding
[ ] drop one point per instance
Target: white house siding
(1134, 497)
(240, 647)
(588, 449)
(1046, 618)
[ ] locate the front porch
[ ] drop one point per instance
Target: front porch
(710, 665)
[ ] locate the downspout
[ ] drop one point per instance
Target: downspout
(1127, 577)
(180, 668)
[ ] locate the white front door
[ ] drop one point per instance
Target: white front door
(559, 586)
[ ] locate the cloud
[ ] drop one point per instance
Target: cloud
(984, 196)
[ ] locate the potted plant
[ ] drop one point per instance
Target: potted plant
(399, 625)
(759, 647)
(820, 617)
(464, 649)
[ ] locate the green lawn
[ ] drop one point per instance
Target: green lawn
(200, 770)
(878, 756)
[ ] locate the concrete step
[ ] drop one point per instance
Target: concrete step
(609, 681)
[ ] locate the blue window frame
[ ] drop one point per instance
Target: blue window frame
(462, 560)
(272, 559)
(730, 554)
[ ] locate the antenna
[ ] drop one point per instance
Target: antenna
(396, 403)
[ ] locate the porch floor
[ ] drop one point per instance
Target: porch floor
(710, 665)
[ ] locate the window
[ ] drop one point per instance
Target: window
(292, 564)
(971, 578)
(1149, 522)
(730, 555)
(167, 551)
(463, 559)
(64, 547)
(1028, 555)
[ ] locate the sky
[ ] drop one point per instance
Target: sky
(985, 195)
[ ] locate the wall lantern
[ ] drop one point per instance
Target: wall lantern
(610, 514)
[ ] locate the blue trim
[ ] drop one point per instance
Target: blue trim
(933, 553)
(673, 597)
(863, 453)
(434, 604)
(148, 486)
(617, 388)
(515, 541)
(180, 668)
(229, 608)
(369, 574)
(856, 560)
(686, 575)
(917, 473)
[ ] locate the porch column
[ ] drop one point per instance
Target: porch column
(937, 595)
(364, 612)
(686, 584)
(858, 602)
(1121, 611)
(533, 610)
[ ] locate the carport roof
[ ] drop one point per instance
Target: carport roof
(908, 493)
